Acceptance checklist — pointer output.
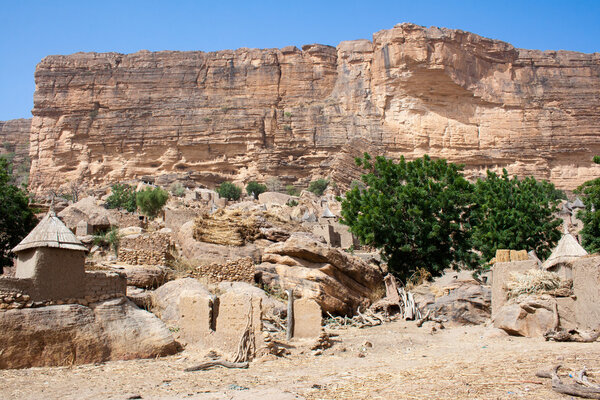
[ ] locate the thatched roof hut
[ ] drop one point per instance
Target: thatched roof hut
(567, 250)
(50, 232)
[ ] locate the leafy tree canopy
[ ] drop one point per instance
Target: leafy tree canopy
(151, 200)
(16, 219)
(590, 216)
(515, 214)
(122, 196)
(416, 212)
(256, 188)
(229, 191)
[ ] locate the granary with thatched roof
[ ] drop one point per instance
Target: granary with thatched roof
(53, 259)
(566, 251)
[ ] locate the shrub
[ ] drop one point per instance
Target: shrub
(292, 190)
(256, 188)
(229, 191)
(110, 239)
(177, 189)
(292, 203)
(318, 186)
(274, 184)
(151, 201)
(122, 196)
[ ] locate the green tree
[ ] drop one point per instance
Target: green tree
(229, 191)
(515, 214)
(151, 200)
(256, 188)
(590, 215)
(318, 186)
(16, 219)
(416, 212)
(122, 196)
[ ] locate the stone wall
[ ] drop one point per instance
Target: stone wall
(146, 249)
(100, 284)
(240, 270)
(23, 293)
(586, 288)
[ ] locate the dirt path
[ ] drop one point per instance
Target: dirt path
(405, 362)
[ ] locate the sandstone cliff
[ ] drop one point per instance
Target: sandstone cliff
(299, 115)
(14, 145)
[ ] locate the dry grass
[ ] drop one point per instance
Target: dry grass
(532, 281)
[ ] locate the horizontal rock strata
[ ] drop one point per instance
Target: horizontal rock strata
(14, 145)
(300, 114)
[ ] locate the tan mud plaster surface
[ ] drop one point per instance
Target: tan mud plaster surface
(405, 362)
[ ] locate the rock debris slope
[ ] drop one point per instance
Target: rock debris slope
(300, 114)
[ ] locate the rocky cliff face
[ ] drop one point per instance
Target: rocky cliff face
(14, 145)
(301, 114)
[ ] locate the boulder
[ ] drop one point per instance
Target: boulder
(88, 210)
(529, 316)
(144, 276)
(74, 334)
(166, 299)
(465, 302)
(208, 253)
(274, 198)
(337, 281)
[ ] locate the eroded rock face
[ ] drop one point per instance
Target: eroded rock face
(337, 281)
(250, 114)
(14, 144)
(73, 334)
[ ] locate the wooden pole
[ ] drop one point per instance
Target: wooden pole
(290, 314)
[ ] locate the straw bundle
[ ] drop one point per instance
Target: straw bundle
(532, 281)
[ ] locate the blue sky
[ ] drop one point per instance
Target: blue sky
(31, 30)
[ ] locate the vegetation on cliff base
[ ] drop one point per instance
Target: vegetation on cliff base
(416, 212)
(514, 213)
(229, 191)
(151, 200)
(318, 187)
(16, 219)
(424, 215)
(590, 215)
(254, 188)
(122, 196)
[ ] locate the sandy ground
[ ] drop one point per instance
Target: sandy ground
(404, 362)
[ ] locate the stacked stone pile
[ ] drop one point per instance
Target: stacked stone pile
(149, 249)
(11, 301)
(240, 270)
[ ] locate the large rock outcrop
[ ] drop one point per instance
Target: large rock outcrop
(74, 334)
(14, 145)
(339, 282)
(299, 114)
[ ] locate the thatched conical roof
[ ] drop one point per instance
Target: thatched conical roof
(327, 213)
(567, 250)
(577, 203)
(50, 232)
